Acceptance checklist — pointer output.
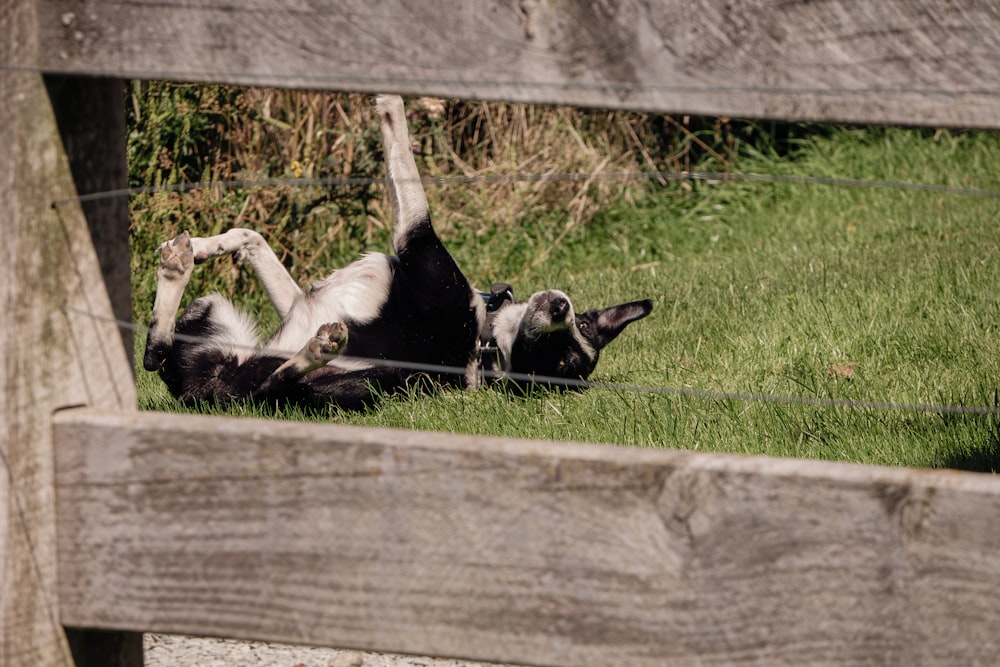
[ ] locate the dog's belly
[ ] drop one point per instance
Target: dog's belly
(353, 295)
(386, 318)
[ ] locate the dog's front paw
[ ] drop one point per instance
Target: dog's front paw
(331, 339)
(176, 257)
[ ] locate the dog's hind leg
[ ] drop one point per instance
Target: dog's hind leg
(435, 288)
(173, 274)
(406, 192)
(431, 270)
(329, 340)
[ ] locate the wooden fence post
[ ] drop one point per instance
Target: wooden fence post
(51, 356)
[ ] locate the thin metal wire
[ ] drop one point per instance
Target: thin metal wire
(694, 176)
(705, 394)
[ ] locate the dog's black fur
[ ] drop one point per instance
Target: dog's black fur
(416, 307)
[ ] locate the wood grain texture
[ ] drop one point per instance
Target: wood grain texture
(875, 61)
(91, 117)
(529, 552)
(48, 358)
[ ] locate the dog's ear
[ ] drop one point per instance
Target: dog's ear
(500, 294)
(602, 326)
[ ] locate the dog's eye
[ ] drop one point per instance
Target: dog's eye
(562, 363)
(584, 325)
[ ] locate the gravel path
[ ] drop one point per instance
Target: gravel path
(181, 651)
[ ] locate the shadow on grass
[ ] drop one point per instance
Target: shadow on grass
(984, 454)
(982, 459)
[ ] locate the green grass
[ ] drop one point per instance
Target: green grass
(779, 290)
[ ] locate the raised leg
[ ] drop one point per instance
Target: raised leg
(173, 274)
(430, 267)
(433, 284)
(177, 260)
(409, 203)
(330, 340)
(245, 244)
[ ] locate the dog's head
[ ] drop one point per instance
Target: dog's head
(544, 336)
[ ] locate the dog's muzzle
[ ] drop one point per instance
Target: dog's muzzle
(558, 309)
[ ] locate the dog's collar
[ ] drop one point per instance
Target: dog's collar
(500, 295)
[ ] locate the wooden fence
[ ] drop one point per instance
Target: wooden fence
(115, 522)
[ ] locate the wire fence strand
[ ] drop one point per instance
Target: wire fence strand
(691, 176)
(624, 387)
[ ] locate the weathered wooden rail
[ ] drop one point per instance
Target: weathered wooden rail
(523, 551)
(114, 522)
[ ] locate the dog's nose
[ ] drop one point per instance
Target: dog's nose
(558, 308)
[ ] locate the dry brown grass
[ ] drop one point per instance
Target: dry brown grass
(194, 134)
(281, 133)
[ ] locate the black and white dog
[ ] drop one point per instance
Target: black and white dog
(416, 308)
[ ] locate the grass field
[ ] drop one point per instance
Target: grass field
(777, 290)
